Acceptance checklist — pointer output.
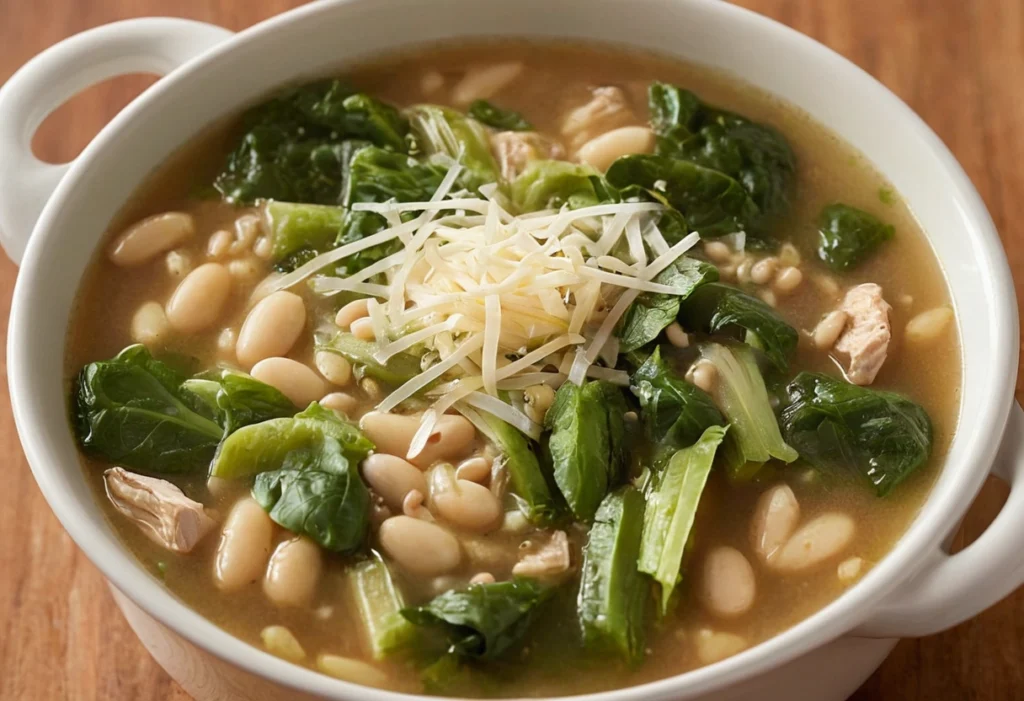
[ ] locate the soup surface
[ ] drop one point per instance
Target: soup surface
(599, 519)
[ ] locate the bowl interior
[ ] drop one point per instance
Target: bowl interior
(325, 35)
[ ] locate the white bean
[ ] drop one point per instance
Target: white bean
(828, 330)
(743, 270)
(718, 251)
(476, 469)
(728, 586)
(198, 301)
(218, 244)
(422, 548)
(293, 572)
(469, 506)
(340, 401)
(602, 150)
(789, 255)
(928, 326)
(775, 518)
(151, 237)
(244, 546)
(392, 478)
(452, 438)
(263, 248)
(539, 399)
(281, 642)
(431, 82)
(704, 374)
(788, 280)
(350, 670)
(363, 328)
(293, 379)
(150, 325)
(246, 270)
(334, 367)
(271, 328)
(819, 540)
(850, 569)
(352, 311)
(764, 270)
(179, 263)
(484, 82)
(676, 336)
(713, 646)
(482, 578)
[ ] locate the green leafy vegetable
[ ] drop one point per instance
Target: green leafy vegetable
(399, 369)
(674, 112)
(715, 308)
(238, 400)
(648, 316)
(671, 508)
(296, 228)
(484, 620)
(754, 436)
(380, 604)
(674, 412)
(132, 410)
(508, 120)
(838, 426)
(613, 593)
(525, 475)
(441, 130)
(847, 236)
(544, 184)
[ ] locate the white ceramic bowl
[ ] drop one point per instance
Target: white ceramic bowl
(210, 73)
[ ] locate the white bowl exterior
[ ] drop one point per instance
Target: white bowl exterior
(320, 37)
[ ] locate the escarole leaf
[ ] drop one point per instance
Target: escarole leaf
(399, 368)
(380, 605)
(484, 620)
(493, 116)
(442, 130)
(674, 412)
(671, 509)
(132, 410)
(880, 436)
(301, 231)
(613, 594)
(526, 478)
(715, 308)
(237, 399)
(847, 236)
(648, 316)
(674, 112)
(547, 184)
(740, 392)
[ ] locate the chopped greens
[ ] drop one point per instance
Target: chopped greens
(238, 400)
(550, 184)
(398, 369)
(847, 236)
(442, 130)
(493, 116)
(380, 604)
(526, 478)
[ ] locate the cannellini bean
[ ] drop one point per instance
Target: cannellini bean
(281, 642)
(179, 263)
(789, 255)
(350, 670)
(676, 336)
(218, 487)
(218, 244)
(768, 297)
(363, 328)
(371, 388)
(788, 279)
(246, 270)
(431, 82)
(352, 311)
(928, 326)
(515, 521)
(704, 374)
(602, 150)
(484, 82)
(293, 379)
(850, 569)
(476, 469)
(775, 518)
(482, 578)
(392, 478)
(150, 325)
(468, 505)
(713, 646)
(452, 438)
(334, 367)
(247, 228)
(539, 399)
(198, 301)
(743, 270)
(820, 539)
(150, 237)
(293, 572)
(244, 546)
(271, 328)
(420, 547)
(728, 586)
(764, 270)
(828, 330)
(263, 248)
(717, 251)
(340, 401)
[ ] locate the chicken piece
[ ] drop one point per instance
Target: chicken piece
(158, 508)
(865, 340)
(514, 149)
(546, 559)
(608, 109)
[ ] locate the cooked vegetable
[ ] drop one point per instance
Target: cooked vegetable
(302, 229)
(484, 620)
(238, 400)
(715, 308)
(840, 427)
(545, 184)
(399, 368)
(441, 130)
(652, 312)
(613, 594)
(380, 604)
(754, 436)
(526, 478)
(674, 112)
(132, 410)
(586, 443)
(847, 236)
(674, 412)
(672, 502)
(493, 116)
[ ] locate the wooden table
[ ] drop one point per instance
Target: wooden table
(959, 64)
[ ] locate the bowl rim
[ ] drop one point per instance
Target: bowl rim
(835, 619)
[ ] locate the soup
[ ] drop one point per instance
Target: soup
(481, 364)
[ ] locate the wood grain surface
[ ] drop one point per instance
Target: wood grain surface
(958, 63)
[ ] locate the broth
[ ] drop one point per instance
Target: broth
(556, 78)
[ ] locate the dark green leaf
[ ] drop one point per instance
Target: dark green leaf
(847, 236)
(525, 475)
(238, 400)
(508, 120)
(838, 426)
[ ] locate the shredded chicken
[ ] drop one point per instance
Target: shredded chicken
(608, 109)
(546, 559)
(514, 149)
(865, 340)
(158, 508)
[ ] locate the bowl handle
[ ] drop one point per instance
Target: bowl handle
(954, 588)
(152, 45)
